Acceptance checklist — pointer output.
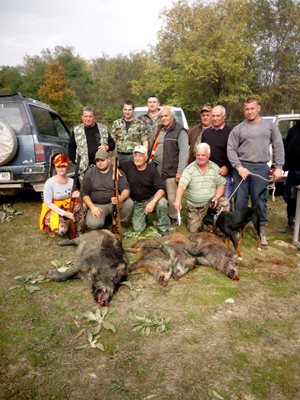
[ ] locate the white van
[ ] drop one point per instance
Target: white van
(284, 122)
(179, 114)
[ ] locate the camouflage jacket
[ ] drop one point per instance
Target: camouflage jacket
(82, 149)
(126, 141)
(151, 125)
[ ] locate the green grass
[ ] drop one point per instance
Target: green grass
(245, 350)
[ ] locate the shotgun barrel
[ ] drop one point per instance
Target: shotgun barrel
(72, 227)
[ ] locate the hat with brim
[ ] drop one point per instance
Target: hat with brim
(206, 108)
(140, 149)
(101, 154)
(60, 160)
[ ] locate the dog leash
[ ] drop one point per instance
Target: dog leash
(271, 185)
(216, 216)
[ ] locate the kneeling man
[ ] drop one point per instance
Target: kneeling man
(97, 192)
(147, 190)
(205, 186)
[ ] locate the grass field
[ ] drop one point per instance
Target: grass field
(245, 349)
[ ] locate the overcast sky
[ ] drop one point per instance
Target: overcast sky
(92, 27)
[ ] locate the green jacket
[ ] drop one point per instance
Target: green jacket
(82, 149)
(126, 141)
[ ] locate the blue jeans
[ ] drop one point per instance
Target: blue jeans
(251, 188)
(229, 184)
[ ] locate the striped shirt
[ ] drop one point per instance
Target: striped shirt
(201, 188)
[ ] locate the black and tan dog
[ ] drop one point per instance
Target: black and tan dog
(233, 223)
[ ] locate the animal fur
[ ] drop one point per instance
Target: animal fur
(176, 254)
(211, 250)
(101, 260)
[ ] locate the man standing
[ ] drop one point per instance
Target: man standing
(87, 138)
(248, 150)
(217, 136)
(195, 134)
(292, 165)
(97, 192)
(152, 118)
(170, 154)
(147, 191)
(128, 132)
(205, 186)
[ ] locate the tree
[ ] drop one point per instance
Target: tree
(275, 37)
(33, 75)
(201, 55)
(224, 51)
(114, 81)
(56, 93)
(10, 79)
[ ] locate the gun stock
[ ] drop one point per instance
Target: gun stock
(72, 226)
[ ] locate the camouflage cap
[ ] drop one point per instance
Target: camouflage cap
(102, 154)
(206, 107)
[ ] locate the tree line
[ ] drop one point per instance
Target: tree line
(207, 53)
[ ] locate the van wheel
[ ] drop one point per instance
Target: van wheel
(8, 143)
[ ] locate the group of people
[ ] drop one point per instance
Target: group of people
(158, 160)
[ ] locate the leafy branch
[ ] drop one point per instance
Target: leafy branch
(7, 213)
(133, 291)
(61, 266)
(150, 232)
(145, 324)
(98, 319)
(29, 281)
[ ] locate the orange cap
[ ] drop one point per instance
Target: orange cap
(60, 160)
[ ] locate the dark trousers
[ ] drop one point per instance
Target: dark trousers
(251, 188)
(290, 194)
(124, 156)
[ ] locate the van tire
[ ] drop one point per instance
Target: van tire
(8, 143)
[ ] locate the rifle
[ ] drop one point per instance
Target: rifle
(72, 228)
(116, 216)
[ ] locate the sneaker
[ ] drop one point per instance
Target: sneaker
(263, 236)
(264, 240)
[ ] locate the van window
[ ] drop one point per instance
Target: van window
(60, 127)
(13, 114)
(48, 123)
(284, 126)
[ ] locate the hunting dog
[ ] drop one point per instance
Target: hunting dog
(233, 223)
